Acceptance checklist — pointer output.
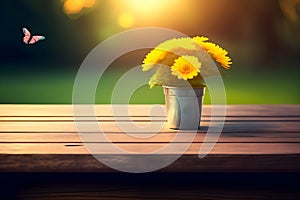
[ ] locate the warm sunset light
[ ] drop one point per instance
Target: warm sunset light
(89, 3)
(135, 13)
(126, 20)
(147, 6)
(75, 6)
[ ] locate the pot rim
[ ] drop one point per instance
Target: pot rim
(184, 91)
(181, 87)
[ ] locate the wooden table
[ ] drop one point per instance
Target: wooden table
(255, 139)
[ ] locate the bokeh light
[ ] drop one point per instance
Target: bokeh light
(126, 20)
(148, 8)
(146, 5)
(89, 3)
(163, 13)
(72, 7)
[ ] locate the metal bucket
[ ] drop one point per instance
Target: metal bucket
(183, 105)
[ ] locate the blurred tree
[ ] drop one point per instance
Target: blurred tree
(279, 29)
(290, 25)
(268, 15)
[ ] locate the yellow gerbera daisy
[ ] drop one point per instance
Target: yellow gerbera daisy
(186, 43)
(154, 57)
(186, 67)
(165, 52)
(200, 40)
(219, 54)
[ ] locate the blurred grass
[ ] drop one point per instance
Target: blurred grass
(55, 87)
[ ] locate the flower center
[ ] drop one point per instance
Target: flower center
(185, 69)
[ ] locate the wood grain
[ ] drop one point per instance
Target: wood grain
(258, 127)
(144, 119)
(144, 110)
(257, 138)
(61, 137)
(213, 163)
(148, 148)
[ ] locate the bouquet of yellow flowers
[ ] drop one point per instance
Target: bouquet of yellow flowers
(181, 60)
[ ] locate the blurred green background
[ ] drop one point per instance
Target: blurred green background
(262, 37)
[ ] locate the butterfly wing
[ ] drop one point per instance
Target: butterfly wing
(27, 35)
(36, 38)
(28, 39)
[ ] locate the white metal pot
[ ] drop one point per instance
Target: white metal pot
(183, 105)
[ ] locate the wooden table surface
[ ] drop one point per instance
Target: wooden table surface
(255, 138)
(256, 157)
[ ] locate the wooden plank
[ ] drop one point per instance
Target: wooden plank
(144, 110)
(103, 119)
(146, 119)
(142, 138)
(233, 163)
(149, 148)
(258, 127)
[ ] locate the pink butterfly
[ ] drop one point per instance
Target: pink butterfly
(31, 39)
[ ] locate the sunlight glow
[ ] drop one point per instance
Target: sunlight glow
(126, 20)
(148, 6)
(135, 13)
(75, 6)
(89, 3)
